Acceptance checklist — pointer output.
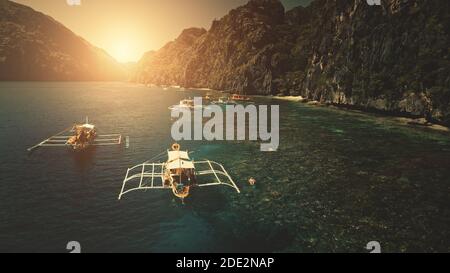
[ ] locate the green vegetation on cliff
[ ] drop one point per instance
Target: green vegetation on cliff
(393, 57)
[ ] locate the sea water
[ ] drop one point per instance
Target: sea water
(338, 180)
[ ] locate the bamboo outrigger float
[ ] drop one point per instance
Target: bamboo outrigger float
(79, 137)
(179, 174)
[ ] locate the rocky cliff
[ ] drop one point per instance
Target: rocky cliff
(168, 65)
(393, 57)
(34, 46)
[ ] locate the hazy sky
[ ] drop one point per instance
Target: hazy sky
(126, 29)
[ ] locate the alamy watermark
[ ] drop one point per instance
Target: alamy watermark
(374, 2)
(374, 247)
(235, 123)
(74, 247)
(73, 2)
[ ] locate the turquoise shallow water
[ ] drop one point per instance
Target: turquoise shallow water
(338, 180)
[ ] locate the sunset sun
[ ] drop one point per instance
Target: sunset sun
(123, 51)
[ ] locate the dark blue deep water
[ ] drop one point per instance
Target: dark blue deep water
(339, 179)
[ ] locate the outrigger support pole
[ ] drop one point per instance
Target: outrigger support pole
(46, 140)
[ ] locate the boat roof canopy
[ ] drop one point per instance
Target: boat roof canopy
(179, 160)
(88, 126)
(174, 155)
(180, 164)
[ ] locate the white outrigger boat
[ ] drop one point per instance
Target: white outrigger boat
(224, 101)
(79, 137)
(187, 104)
(179, 174)
(239, 97)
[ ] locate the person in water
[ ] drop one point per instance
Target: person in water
(252, 181)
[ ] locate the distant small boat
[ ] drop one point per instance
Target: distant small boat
(223, 100)
(186, 104)
(208, 97)
(237, 97)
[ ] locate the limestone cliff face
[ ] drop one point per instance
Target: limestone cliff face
(34, 46)
(167, 66)
(236, 53)
(393, 57)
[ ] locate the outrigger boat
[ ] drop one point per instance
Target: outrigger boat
(79, 137)
(187, 104)
(208, 96)
(223, 100)
(237, 97)
(179, 174)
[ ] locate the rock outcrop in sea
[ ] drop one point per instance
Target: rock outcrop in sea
(393, 57)
(33, 46)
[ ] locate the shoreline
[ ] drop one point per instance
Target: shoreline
(399, 117)
(402, 118)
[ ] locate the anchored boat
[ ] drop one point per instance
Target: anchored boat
(208, 96)
(79, 137)
(179, 174)
(237, 97)
(224, 101)
(184, 104)
(187, 104)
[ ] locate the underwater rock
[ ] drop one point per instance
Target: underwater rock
(420, 122)
(275, 194)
